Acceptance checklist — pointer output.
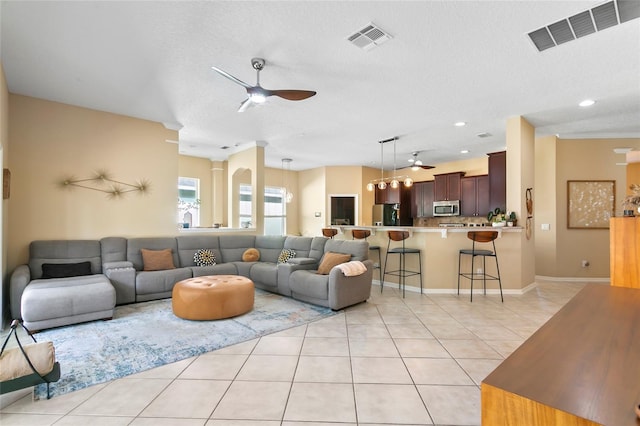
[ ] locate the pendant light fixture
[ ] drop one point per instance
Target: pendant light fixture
(394, 181)
(287, 195)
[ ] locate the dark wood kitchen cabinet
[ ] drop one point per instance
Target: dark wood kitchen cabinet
(447, 186)
(474, 196)
(406, 219)
(388, 195)
(498, 180)
(422, 199)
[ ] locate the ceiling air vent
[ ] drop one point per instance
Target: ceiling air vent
(369, 37)
(584, 23)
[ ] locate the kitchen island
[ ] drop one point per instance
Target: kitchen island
(440, 247)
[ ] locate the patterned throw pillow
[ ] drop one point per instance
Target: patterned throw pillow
(285, 255)
(204, 257)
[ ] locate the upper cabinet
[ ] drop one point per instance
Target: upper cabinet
(498, 180)
(422, 199)
(388, 195)
(447, 186)
(475, 196)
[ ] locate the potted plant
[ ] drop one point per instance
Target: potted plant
(497, 217)
(631, 202)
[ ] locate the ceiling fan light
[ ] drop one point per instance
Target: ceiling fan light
(257, 98)
(370, 186)
(408, 182)
(415, 168)
(394, 183)
(382, 185)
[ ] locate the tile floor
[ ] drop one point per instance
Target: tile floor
(390, 361)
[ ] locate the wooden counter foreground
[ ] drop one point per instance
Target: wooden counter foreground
(581, 368)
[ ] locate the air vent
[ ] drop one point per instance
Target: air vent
(369, 37)
(584, 23)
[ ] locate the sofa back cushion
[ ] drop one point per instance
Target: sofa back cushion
(270, 247)
(64, 251)
(301, 245)
(358, 249)
(188, 245)
(317, 247)
(233, 246)
(114, 249)
(134, 245)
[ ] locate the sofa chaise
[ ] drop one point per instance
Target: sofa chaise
(119, 274)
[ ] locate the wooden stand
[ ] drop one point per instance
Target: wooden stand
(624, 251)
(581, 368)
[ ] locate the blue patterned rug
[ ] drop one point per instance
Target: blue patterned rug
(145, 335)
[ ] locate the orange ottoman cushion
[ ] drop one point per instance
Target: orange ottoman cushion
(212, 297)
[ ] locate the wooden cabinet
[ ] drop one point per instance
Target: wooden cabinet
(406, 219)
(624, 251)
(422, 199)
(447, 186)
(474, 196)
(388, 195)
(498, 180)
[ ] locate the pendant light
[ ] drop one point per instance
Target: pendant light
(288, 195)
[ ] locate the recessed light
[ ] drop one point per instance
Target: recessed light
(587, 103)
(460, 124)
(464, 151)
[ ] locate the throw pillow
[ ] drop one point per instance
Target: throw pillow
(157, 260)
(285, 255)
(65, 270)
(251, 255)
(204, 257)
(330, 259)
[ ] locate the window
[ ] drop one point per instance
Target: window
(274, 211)
(188, 201)
(245, 206)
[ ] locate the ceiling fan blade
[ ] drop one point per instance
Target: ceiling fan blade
(245, 105)
(230, 77)
(291, 95)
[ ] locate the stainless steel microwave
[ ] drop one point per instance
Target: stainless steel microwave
(446, 208)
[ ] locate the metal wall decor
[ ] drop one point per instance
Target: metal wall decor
(103, 182)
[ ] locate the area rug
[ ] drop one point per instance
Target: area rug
(145, 335)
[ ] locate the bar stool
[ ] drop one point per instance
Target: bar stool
(329, 232)
(359, 234)
(480, 237)
(402, 272)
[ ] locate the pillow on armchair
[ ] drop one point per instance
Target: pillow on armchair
(330, 259)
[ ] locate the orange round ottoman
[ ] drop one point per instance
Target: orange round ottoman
(212, 297)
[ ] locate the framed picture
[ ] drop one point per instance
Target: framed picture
(590, 203)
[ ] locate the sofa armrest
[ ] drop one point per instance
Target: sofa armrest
(346, 291)
(286, 269)
(20, 278)
(122, 275)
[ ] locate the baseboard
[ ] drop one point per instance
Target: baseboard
(573, 279)
(413, 289)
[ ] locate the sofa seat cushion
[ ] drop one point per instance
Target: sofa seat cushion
(310, 284)
(151, 282)
(217, 269)
(265, 273)
(64, 297)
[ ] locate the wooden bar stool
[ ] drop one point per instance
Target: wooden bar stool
(402, 272)
(480, 237)
(359, 234)
(329, 232)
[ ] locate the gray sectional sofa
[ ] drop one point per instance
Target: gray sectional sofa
(117, 274)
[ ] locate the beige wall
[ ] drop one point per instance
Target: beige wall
(4, 214)
(345, 181)
(312, 189)
(53, 141)
(575, 159)
(545, 206)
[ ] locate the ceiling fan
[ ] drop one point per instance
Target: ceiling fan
(417, 163)
(258, 94)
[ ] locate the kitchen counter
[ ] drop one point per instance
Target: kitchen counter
(439, 251)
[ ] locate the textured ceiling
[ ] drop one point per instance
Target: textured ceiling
(447, 61)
